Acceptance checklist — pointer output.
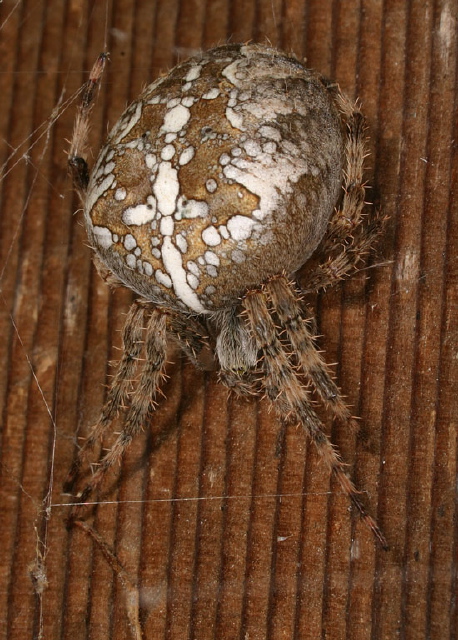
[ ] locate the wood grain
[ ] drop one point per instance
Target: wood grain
(229, 526)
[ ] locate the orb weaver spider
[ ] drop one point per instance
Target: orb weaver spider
(213, 189)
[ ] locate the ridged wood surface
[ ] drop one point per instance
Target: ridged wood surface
(228, 525)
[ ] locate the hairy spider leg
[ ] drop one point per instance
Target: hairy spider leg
(78, 146)
(289, 312)
(292, 400)
(353, 233)
(354, 187)
(142, 401)
(192, 337)
(118, 392)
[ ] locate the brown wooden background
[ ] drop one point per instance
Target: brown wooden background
(230, 529)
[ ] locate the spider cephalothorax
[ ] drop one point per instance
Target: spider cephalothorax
(215, 186)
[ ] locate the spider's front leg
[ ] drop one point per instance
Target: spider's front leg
(286, 305)
(285, 389)
(139, 396)
(193, 338)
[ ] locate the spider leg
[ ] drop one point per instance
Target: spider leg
(118, 393)
(291, 398)
(142, 401)
(289, 312)
(349, 215)
(193, 338)
(350, 232)
(198, 343)
(79, 142)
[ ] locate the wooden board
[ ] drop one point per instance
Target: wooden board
(229, 527)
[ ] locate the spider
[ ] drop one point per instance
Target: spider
(213, 189)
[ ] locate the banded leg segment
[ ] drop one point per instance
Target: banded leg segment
(121, 386)
(192, 337)
(78, 147)
(348, 217)
(143, 398)
(291, 398)
(349, 230)
(289, 312)
(351, 254)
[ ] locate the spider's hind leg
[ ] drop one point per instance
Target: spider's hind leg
(78, 147)
(351, 234)
(292, 399)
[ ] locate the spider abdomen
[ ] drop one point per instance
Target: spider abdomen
(223, 173)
